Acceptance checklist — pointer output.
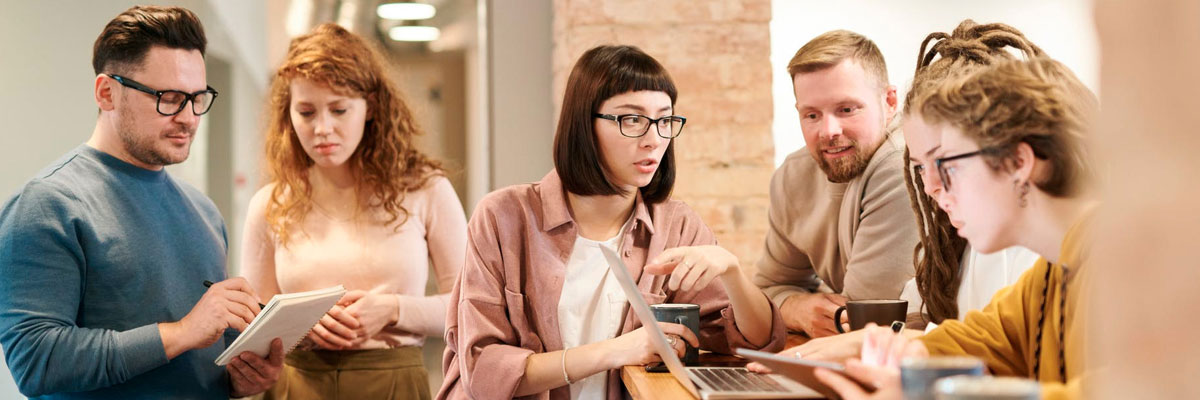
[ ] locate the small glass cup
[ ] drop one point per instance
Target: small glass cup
(917, 375)
(986, 388)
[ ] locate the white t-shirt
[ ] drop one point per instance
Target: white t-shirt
(983, 276)
(590, 308)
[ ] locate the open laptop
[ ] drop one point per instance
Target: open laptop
(704, 382)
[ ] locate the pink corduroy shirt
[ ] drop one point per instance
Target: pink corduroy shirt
(504, 307)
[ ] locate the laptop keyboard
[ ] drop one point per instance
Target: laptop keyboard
(737, 380)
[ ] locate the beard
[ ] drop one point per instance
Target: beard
(143, 147)
(843, 169)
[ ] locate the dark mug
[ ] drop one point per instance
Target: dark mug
(881, 312)
(684, 314)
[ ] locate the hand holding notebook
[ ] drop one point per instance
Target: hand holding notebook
(288, 317)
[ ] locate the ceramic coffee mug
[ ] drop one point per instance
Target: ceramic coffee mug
(684, 314)
(881, 312)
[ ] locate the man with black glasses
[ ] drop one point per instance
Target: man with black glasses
(103, 255)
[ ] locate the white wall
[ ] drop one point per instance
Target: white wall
(521, 112)
(47, 107)
(1063, 28)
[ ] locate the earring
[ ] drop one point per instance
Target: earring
(1024, 192)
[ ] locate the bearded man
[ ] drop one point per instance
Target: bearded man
(841, 223)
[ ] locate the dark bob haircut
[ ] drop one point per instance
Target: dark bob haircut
(600, 74)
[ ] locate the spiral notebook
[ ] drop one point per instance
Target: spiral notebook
(288, 317)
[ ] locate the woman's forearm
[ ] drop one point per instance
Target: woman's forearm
(424, 315)
(751, 309)
(544, 371)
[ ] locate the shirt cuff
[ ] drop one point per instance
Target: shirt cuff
(140, 350)
(498, 371)
(735, 339)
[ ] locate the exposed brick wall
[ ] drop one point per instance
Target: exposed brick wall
(718, 52)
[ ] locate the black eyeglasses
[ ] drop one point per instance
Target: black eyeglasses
(919, 171)
(171, 102)
(947, 171)
(636, 125)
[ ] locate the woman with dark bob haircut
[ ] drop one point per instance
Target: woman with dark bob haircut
(536, 311)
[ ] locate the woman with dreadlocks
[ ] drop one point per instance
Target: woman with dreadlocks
(1012, 170)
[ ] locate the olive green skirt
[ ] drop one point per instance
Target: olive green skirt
(354, 374)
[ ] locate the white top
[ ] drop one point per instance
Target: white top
(590, 308)
(983, 276)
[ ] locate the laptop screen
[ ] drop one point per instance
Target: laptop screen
(642, 310)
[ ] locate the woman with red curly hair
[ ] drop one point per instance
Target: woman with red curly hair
(352, 201)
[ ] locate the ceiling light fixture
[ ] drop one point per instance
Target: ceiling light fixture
(405, 11)
(414, 33)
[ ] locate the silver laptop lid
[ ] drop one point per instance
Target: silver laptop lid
(642, 310)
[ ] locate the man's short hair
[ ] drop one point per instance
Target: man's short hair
(831, 48)
(124, 42)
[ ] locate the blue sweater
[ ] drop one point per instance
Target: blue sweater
(94, 253)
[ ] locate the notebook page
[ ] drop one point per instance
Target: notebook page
(288, 317)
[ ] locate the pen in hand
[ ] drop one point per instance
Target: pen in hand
(208, 283)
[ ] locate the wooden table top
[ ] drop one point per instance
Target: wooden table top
(661, 385)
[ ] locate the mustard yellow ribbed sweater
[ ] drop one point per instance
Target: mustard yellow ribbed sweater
(1004, 334)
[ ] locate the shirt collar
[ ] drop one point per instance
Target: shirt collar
(556, 212)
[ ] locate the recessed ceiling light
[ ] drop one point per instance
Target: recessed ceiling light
(414, 33)
(405, 11)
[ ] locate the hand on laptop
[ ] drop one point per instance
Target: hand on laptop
(637, 348)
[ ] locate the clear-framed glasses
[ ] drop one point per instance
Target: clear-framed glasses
(947, 171)
(171, 102)
(636, 125)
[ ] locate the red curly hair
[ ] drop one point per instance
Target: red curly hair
(386, 163)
